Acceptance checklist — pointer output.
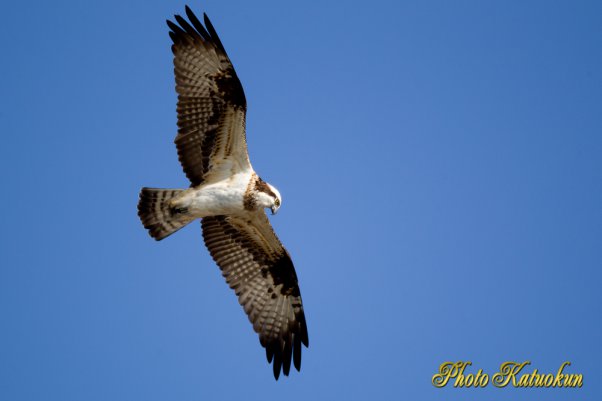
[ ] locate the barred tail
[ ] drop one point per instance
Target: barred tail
(157, 215)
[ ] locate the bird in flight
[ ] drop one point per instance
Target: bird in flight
(226, 193)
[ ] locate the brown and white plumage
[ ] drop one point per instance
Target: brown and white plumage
(259, 269)
(227, 194)
(211, 102)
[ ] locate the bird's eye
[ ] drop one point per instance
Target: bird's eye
(277, 202)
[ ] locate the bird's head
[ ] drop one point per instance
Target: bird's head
(277, 200)
(267, 196)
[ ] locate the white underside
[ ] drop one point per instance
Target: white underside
(224, 197)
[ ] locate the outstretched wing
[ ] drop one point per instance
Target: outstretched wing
(211, 103)
(260, 270)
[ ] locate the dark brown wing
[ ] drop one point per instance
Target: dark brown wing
(211, 103)
(260, 270)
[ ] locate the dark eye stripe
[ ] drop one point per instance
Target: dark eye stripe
(261, 186)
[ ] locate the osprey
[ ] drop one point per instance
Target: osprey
(226, 193)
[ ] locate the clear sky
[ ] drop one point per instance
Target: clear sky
(441, 171)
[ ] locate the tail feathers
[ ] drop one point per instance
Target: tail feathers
(157, 214)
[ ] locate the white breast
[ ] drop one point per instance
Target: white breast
(219, 198)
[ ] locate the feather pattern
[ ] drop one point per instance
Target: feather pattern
(260, 271)
(211, 106)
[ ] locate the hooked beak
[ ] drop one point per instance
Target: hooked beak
(274, 209)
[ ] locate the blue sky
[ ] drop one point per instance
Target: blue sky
(440, 165)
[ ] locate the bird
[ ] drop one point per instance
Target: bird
(226, 194)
